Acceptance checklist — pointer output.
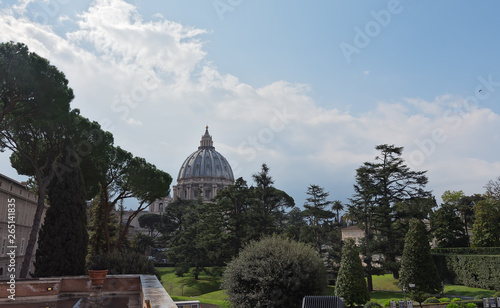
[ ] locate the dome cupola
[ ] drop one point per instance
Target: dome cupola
(205, 170)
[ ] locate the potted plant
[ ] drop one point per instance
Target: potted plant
(98, 268)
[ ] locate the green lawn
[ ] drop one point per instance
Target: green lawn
(187, 285)
(207, 288)
(386, 288)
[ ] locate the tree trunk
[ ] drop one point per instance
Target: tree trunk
(369, 280)
(33, 235)
(127, 225)
(395, 274)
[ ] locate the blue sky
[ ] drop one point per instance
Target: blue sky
(307, 87)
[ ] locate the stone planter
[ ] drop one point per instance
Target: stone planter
(97, 277)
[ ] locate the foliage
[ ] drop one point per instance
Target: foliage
(236, 202)
(274, 272)
(142, 242)
(478, 271)
(447, 228)
(268, 205)
(456, 299)
(212, 233)
(150, 221)
(372, 304)
(351, 284)
(317, 215)
(444, 300)
(417, 266)
(452, 305)
(34, 113)
(30, 88)
(493, 189)
(130, 262)
(467, 250)
(486, 227)
(431, 300)
(380, 188)
(126, 176)
(186, 247)
(454, 219)
(63, 237)
(295, 224)
(98, 261)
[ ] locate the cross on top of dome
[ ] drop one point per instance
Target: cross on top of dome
(206, 141)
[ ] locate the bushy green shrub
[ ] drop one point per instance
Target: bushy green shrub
(497, 294)
(444, 300)
(274, 272)
(456, 299)
(388, 302)
(431, 300)
(372, 304)
(452, 305)
(479, 296)
(130, 262)
(470, 305)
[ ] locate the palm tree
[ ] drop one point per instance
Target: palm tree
(337, 206)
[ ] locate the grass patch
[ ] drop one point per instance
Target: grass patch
(386, 288)
(382, 296)
(187, 285)
(385, 283)
(216, 298)
(466, 291)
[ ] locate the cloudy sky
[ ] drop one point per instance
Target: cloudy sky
(307, 87)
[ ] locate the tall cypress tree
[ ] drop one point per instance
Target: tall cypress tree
(417, 266)
(63, 238)
(351, 284)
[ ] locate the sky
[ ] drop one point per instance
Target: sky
(307, 87)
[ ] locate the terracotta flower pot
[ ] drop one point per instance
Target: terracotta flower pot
(97, 277)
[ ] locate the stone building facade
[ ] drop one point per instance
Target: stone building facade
(17, 210)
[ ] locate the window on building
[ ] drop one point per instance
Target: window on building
(2, 250)
(160, 207)
(21, 251)
(207, 193)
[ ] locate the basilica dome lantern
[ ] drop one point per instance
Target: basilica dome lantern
(204, 171)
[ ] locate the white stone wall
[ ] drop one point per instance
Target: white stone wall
(13, 192)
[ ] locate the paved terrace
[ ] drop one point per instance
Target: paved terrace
(118, 291)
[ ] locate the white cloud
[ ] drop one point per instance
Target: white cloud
(151, 82)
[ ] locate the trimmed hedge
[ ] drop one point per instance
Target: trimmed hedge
(467, 250)
(476, 271)
(431, 300)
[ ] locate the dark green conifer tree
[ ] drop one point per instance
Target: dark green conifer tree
(417, 266)
(62, 242)
(351, 284)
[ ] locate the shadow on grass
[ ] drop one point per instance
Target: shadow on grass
(186, 285)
